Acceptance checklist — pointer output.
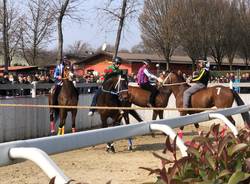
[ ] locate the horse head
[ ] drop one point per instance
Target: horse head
(68, 73)
(172, 77)
(117, 86)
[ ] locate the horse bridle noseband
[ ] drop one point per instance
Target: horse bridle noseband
(118, 84)
(171, 84)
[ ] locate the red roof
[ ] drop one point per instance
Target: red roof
(15, 68)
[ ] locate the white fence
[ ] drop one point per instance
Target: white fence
(34, 149)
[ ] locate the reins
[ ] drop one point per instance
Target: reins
(174, 84)
(116, 86)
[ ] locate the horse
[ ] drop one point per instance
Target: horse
(114, 92)
(217, 96)
(140, 97)
(68, 96)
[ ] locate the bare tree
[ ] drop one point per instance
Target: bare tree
(122, 14)
(62, 9)
(9, 26)
(140, 48)
(192, 19)
(158, 27)
(232, 30)
(244, 48)
(218, 12)
(6, 52)
(37, 28)
(79, 48)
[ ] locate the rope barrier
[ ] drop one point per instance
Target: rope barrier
(105, 107)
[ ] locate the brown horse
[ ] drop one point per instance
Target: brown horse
(140, 97)
(114, 94)
(218, 96)
(68, 96)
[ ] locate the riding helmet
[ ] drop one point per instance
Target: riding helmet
(147, 61)
(117, 60)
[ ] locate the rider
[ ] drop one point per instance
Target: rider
(143, 77)
(58, 74)
(110, 71)
(201, 80)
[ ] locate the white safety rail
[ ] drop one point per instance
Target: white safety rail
(11, 151)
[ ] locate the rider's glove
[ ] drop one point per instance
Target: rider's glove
(189, 79)
(159, 80)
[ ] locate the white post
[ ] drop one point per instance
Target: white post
(231, 84)
(33, 90)
(225, 120)
(40, 158)
(169, 131)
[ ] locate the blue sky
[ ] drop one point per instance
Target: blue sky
(92, 32)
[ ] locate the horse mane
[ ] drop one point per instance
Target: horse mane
(179, 77)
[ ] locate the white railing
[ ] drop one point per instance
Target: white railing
(10, 151)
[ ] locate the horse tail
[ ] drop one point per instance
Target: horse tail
(239, 101)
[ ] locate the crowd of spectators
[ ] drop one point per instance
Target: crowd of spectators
(94, 78)
(23, 79)
(244, 77)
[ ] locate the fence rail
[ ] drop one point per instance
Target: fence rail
(9, 151)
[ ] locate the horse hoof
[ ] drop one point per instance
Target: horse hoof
(110, 149)
(130, 148)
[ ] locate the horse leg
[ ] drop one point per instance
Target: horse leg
(155, 114)
(161, 112)
(63, 116)
(135, 115)
(180, 132)
(52, 121)
(110, 145)
(126, 118)
(224, 129)
(73, 117)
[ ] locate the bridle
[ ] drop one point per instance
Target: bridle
(117, 86)
(170, 83)
(69, 75)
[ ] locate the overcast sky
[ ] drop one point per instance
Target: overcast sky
(92, 32)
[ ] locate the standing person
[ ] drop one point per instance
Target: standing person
(58, 74)
(110, 71)
(201, 81)
(143, 77)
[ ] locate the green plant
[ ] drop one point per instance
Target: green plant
(212, 159)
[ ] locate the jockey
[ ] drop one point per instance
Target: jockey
(58, 74)
(110, 71)
(143, 77)
(201, 78)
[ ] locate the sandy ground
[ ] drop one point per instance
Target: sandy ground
(95, 166)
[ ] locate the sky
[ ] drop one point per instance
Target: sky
(93, 30)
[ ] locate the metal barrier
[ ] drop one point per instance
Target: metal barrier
(11, 151)
(27, 89)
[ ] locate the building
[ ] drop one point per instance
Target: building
(131, 62)
(26, 70)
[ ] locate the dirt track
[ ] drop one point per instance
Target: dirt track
(94, 165)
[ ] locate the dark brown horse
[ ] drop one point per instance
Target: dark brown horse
(115, 94)
(68, 96)
(216, 96)
(140, 97)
